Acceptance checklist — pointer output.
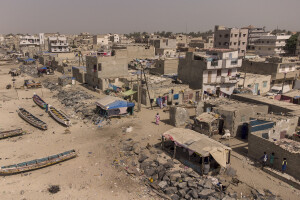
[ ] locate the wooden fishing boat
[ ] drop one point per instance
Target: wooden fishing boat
(11, 133)
(39, 101)
(38, 163)
(59, 116)
(31, 119)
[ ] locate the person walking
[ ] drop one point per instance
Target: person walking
(264, 160)
(272, 158)
(157, 119)
(284, 165)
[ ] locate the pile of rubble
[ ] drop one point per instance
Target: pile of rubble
(50, 85)
(171, 180)
(30, 70)
(75, 99)
(289, 145)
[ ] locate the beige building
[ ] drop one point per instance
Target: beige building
(231, 38)
(213, 71)
(164, 46)
(271, 45)
(165, 66)
(255, 82)
(280, 69)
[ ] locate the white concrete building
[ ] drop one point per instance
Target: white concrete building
(271, 45)
(213, 71)
(101, 39)
(115, 38)
(58, 44)
(29, 40)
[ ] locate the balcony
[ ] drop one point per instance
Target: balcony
(59, 44)
(232, 63)
(215, 64)
(220, 80)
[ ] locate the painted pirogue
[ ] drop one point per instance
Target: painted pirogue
(10, 133)
(38, 163)
(31, 119)
(59, 116)
(38, 100)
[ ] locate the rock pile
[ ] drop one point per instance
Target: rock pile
(171, 180)
(30, 70)
(51, 86)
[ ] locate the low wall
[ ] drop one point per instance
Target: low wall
(258, 145)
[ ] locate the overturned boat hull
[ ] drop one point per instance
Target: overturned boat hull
(31, 119)
(38, 163)
(59, 116)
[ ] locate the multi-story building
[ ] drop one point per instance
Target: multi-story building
(164, 47)
(281, 69)
(115, 38)
(101, 39)
(254, 34)
(205, 43)
(271, 45)
(101, 71)
(298, 46)
(58, 44)
(213, 71)
(231, 38)
(30, 40)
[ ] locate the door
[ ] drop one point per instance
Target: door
(209, 77)
(256, 88)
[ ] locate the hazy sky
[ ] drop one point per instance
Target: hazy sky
(123, 16)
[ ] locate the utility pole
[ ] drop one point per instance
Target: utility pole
(283, 82)
(147, 88)
(139, 92)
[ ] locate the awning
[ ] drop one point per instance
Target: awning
(111, 102)
(129, 92)
(199, 143)
(29, 59)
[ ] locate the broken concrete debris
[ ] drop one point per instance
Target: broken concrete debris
(170, 179)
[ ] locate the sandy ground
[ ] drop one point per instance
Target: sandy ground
(91, 174)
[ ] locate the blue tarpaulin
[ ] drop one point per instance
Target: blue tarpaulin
(110, 102)
(29, 59)
(43, 67)
(119, 104)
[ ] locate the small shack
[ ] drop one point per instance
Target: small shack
(203, 152)
(208, 124)
(113, 106)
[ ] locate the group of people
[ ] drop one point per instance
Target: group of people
(265, 159)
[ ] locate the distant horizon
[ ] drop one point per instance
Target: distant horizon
(123, 17)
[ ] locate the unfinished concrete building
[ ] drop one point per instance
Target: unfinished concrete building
(165, 47)
(214, 71)
(58, 44)
(280, 68)
(234, 115)
(165, 66)
(231, 38)
(79, 74)
(103, 71)
(134, 51)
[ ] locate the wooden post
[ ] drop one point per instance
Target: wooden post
(162, 142)
(174, 154)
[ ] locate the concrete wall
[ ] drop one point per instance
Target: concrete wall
(263, 82)
(258, 145)
(140, 52)
(191, 71)
(167, 66)
(79, 75)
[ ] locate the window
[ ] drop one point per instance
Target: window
(240, 35)
(220, 36)
(268, 42)
(99, 67)
(235, 35)
(95, 68)
(244, 35)
(226, 36)
(262, 41)
(218, 72)
(234, 43)
(243, 43)
(269, 49)
(265, 84)
(219, 43)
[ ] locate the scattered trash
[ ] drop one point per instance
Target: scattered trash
(54, 189)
